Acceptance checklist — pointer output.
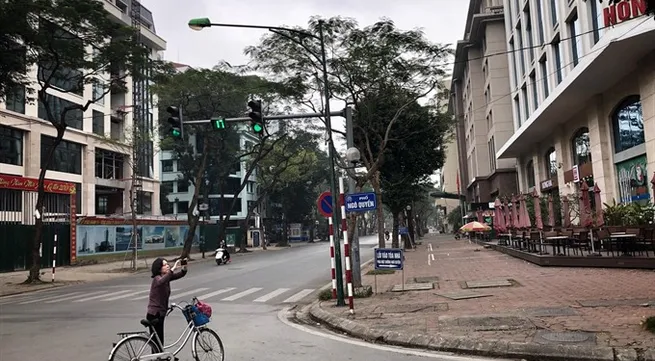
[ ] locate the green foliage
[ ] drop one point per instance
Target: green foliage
(628, 214)
(455, 217)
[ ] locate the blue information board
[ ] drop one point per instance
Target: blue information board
(403, 230)
(389, 258)
(361, 202)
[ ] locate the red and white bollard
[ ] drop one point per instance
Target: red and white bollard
(332, 262)
(54, 258)
(346, 247)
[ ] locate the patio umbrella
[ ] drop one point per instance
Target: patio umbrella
(537, 210)
(525, 215)
(600, 220)
(566, 217)
(499, 221)
(508, 215)
(585, 206)
(551, 211)
(515, 212)
(474, 227)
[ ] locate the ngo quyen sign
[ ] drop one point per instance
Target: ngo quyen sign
(623, 10)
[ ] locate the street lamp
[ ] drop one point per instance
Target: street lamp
(353, 156)
(201, 23)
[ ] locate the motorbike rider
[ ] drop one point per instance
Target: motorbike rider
(227, 254)
(386, 234)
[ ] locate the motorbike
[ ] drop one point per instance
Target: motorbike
(458, 235)
(221, 256)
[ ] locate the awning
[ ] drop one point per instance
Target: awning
(594, 74)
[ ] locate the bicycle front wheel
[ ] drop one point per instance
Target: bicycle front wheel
(207, 343)
(132, 348)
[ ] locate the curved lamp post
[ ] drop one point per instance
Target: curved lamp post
(201, 23)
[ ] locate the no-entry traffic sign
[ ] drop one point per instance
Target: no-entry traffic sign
(324, 204)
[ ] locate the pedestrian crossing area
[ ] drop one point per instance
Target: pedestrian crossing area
(257, 295)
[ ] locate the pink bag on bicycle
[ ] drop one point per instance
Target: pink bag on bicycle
(204, 308)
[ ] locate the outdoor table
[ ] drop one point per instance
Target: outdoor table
(557, 240)
(624, 237)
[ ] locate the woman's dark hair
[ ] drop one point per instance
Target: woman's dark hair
(157, 264)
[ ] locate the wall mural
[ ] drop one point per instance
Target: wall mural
(94, 239)
(633, 181)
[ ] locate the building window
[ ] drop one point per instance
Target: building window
(182, 207)
(529, 174)
(11, 200)
(144, 203)
(558, 60)
(99, 93)
(628, 124)
(67, 157)
(543, 64)
(519, 46)
(553, 11)
(540, 22)
(167, 165)
(528, 34)
(109, 165)
(102, 205)
(11, 146)
(492, 154)
(57, 105)
(98, 123)
(513, 57)
(581, 147)
(576, 39)
(526, 103)
(182, 186)
(596, 14)
(517, 110)
(533, 87)
(551, 162)
(15, 100)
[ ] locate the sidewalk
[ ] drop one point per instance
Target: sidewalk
(485, 302)
(11, 282)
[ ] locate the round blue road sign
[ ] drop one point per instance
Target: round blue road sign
(325, 204)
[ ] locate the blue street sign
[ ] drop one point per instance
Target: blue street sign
(361, 202)
(403, 230)
(389, 258)
(325, 204)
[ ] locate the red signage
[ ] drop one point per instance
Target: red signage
(623, 10)
(97, 221)
(73, 226)
(31, 184)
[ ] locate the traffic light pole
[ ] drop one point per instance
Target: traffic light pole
(340, 113)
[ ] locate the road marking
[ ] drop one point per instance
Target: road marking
(299, 296)
(270, 295)
(432, 256)
(69, 297)
(440, 356)
(241, 294)
(125, 296)
(100, 296)
(47, 298)
(430, 247)
(429, 262)
(197, 290)
(148, 295)
(215, 293)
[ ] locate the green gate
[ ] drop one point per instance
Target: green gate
(16, 242)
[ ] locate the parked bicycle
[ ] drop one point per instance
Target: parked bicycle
(141, 346)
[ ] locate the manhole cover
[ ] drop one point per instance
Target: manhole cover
(463, 295)
(426, 279)
(551, 311)
(489, 283)
(564, 337)
(413, 287)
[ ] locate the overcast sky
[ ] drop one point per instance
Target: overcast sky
(442, 21)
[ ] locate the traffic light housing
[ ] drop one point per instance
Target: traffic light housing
(217, 123)
(176, 121)
(256, 117)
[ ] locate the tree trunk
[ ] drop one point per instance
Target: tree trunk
(394, 231)
(192, 219)
(284, 242)
(34, 275)
(379, 211)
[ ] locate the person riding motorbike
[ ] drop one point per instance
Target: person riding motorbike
(386, 235)
(227, 253)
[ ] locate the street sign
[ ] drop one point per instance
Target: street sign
(324, 204)
(361, 202)
(403, 230)
(389, 258)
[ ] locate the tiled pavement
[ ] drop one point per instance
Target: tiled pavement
(606, 302)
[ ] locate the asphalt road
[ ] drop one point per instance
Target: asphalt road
(249, 298)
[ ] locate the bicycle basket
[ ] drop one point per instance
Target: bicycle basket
(191, 313)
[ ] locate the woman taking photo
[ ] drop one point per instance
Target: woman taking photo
(160, 291)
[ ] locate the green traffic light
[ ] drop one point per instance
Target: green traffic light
(218, 123)
(257, 128)
(176, 133)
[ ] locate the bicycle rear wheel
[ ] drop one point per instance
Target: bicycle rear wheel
(132, 348)
(207, 343)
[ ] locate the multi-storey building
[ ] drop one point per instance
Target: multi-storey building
(583, 95)
(480, 105)
(96, 154)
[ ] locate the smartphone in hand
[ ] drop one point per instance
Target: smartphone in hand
(184, 262)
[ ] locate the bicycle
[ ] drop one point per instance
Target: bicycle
(154, 350)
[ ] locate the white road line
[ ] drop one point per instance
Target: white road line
(148, 295)
(125, 296)
(215, 293)
(430, 247)
(68, 298)
(432, 255)
(299, 296)
(429, 262)
(101, 296)
(197, 290)
(242, 294)
(47, 298)
(270, 295)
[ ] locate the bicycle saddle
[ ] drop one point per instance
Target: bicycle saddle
(147, 323)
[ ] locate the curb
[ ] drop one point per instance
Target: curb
(463, 345)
